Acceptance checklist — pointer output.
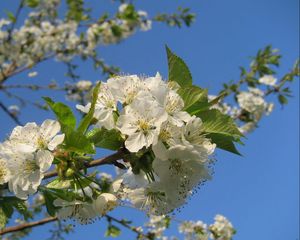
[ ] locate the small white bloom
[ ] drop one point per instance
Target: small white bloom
(269, 108)
(123, 7)
(251, 101)
(84, 85)
(269, 80)
(181, 168)
(105, 107)
(32, 74)
(141, 122)
(14, 109)
(83, 212)
(151, 198)
(221, 229)
(27, 171)
(125, 88)
(32, 137)
(104, 203)
(193, 136)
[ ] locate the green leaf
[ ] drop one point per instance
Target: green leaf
(8, 205)
(49, 199)
(59, 183)
(3, 218)
(178, 70)
(32, 3)
(63, 194)
(223, 142)
(216, 122)
(50, 194)
(103, 138)
(112, 231)
(77, 142)
(217, 99)
(63, 113)
(11, 17)
(85, 122)
(282, 99)
(195, 99)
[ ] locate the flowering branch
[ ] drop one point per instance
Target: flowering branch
(110, 159)
(52, 219)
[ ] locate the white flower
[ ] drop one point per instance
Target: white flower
(32, 137)
(222, 229)
(141, 122)
(269, 108)
(251, 101)
(84, 85)
(104, 203)
(125, 88)
(83, 212)
(151, 198)
(132, 180)
(193, 136)
(14, 109)
(180, 167)
(168, 99)
(269, 80)
(32, 74)
(170, 134)
(4, 22)
(174, 105)
(27, 171)
(86, 212)
(123, 7)
(194, 230)
(105, 107)
(247, 127)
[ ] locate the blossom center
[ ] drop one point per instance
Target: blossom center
(176, 165)
(42, 144)
(144, 126)
(164, 135)
(30, 166)
(172, 105)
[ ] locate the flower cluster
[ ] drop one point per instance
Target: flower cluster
(149, 114)
(43, 35)
(27, 155)
(253, 106)
(221, 229)
(115, 30)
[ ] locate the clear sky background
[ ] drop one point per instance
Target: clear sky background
(258, 192)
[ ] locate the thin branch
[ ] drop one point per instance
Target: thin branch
(126, 225)
(12, 116)
(19, 9)
(27, 225)
(33, 87)
(53, 219)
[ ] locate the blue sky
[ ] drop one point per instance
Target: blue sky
(258, 192)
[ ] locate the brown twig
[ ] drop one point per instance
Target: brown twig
(11, 115)
(27, 225)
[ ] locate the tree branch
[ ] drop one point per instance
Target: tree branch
(27, 225)
(52, 219)
(12, 116)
